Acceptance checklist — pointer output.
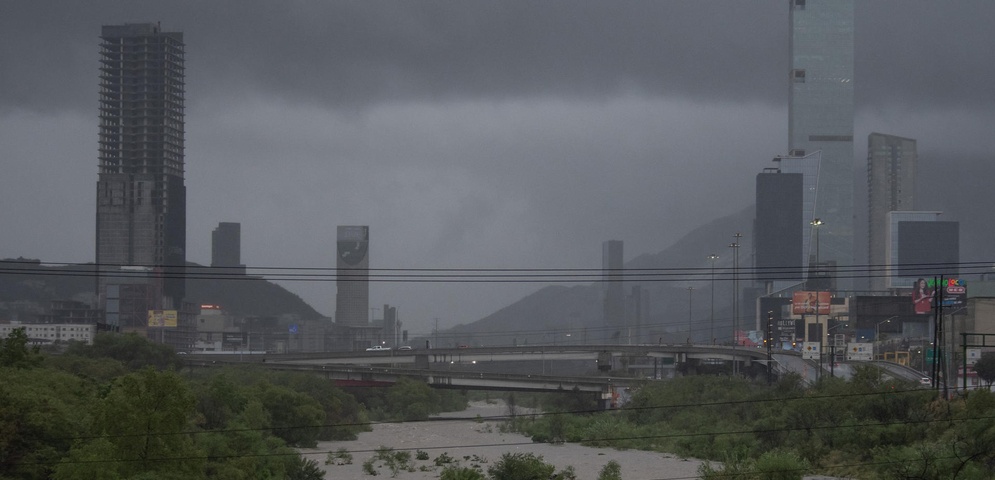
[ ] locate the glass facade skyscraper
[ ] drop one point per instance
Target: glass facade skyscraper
(820, 115)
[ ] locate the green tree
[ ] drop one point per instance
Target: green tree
(611, 471)
(985, 368)
(411, 400)
(133, 351)
(521, 466)
(14, 351)
(305, 469)
(294, 417)
(41, 410)
(141, 422)
(461, 473)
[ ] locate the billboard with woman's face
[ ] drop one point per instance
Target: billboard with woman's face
(810, 302)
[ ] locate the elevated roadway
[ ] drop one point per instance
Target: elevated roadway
(425, 358)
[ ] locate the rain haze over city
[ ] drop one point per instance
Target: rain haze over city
(478, 134)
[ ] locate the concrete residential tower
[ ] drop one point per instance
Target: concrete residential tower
(820, 115)
(141, 196)
(352, 301)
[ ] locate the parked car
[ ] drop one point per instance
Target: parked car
(405, 347)
(378, 348)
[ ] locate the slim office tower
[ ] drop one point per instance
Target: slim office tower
(891, 182)
(352, 301)
(820, 114)
(613, 285)
(777, 238)
(226, 245)
(141, 196)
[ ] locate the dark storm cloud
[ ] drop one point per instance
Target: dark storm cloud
(358, 52)
(470, 133)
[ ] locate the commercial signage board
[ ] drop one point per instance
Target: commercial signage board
(809, 302)
(162, 318)
(952, 293)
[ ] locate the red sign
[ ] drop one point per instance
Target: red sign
(810, 303)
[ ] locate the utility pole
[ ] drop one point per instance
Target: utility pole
(436, 332)
(711, 315)
(735, 299)
(690, 290)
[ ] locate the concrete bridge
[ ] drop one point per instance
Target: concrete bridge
(474, 368)
(606, 356)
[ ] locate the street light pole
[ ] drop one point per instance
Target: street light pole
(735, 299)
(711, 315)
(816, 223)
(690, 289)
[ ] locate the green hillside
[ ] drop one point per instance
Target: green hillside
(27, 286)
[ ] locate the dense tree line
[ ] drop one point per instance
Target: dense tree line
(125, 408)
(858, 428)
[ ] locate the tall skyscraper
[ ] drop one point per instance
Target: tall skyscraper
(820, 114)
(226, 245)
(352, 300)
(614, 288)
(891, 182)
(141, 196)
(777, 238)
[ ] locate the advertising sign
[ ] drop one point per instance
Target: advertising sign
(810, 351)
(926, 292)
(860, 352)
(807, 302)
(162, 318)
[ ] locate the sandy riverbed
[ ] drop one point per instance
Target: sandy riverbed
(481, 441)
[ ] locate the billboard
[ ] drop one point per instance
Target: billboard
(162, 318)
(808, 302)
(952, 293)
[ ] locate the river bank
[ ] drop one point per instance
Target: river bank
(470, 441)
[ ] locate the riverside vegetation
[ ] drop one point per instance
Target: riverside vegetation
(125, 408)
(859, 428)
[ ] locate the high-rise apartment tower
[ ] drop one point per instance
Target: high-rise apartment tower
(141, 196)
(820, 114)
(891, 182)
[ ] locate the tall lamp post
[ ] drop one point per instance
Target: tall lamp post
(711, 316)
(735, 286)
(816, 223)
(735, 298)
(690, 290)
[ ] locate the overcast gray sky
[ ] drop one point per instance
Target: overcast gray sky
(469, 134)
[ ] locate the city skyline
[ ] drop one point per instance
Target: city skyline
(477, 135)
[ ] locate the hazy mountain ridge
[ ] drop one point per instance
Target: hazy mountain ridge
(549, 313)
(27, 282)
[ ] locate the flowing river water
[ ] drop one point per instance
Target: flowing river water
(473, 441)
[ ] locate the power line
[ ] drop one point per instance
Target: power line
(482, 275)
